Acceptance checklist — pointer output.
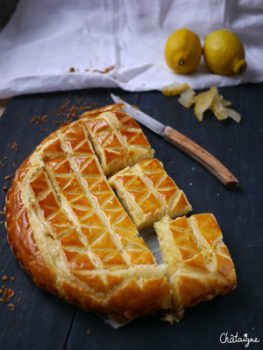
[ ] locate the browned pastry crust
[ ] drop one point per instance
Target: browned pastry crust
(117, 138)
(148, 193)
(199, 263)
(71, 234)
(21, 239)
(69, 231)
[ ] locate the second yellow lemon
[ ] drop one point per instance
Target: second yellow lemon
(183, 51)
(224, 53)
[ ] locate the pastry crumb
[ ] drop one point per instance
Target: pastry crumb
(8, 294)
(14, 146)
(169, 318)
(11, 306)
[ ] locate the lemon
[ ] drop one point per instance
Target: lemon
(224, 53)
(183, 51)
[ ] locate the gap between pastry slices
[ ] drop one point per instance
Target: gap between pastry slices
(60, 160)
(56, 161)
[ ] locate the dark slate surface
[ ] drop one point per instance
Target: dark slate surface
(41, 321)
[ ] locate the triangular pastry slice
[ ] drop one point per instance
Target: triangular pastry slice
(199, 263)
(148, 193)
(117, 138)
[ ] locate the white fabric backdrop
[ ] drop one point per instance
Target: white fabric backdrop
(45, 38)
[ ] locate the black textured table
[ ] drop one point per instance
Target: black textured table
(41, 321)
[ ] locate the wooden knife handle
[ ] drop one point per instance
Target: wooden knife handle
(201, 156)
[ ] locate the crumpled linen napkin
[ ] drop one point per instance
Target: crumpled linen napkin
(55, 45)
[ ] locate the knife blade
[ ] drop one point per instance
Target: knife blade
(182, 142)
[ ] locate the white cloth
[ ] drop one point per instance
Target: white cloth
(44, 39)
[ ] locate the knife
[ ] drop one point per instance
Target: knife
(186, 145)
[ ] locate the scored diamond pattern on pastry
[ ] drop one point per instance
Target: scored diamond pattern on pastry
(148, 193)
(67, 227)
(199, 264)
(92, 207)
(117, 139)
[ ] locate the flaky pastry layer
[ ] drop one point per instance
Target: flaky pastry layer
(70, 232)
(199, 263)
(148, 193)
(117, 138)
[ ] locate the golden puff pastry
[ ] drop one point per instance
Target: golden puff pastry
(199, 263)
(69, 231)
(117, 138)
(148, 193)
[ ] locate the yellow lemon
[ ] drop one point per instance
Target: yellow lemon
(224, 53)
(183, 51)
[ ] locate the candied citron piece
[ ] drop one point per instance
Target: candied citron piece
(203, 102)
(174, 89)
(187, 98)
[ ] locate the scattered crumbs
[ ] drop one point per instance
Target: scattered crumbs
(193, 168)
(71, 115)
(39, 119)
(65, 110)
(5, 157)
(11, 306)
(106, 70)
(218, 194)
(2, 212)
(13, 165)
(190, 184)
(14, 146)
(1, 222)
(7, 293)
(4, 188)
(72, 70)
(85, 108)
(62, 108)
(88, 331)
(7, 177)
